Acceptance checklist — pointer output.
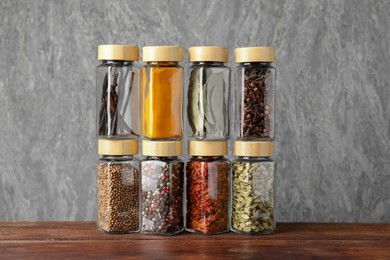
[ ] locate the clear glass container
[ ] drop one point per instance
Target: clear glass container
(253, 194)
(254, 93)
(118, 92)
(162, 182)
(162, 87)
(118, 189)
(207, 195)
(208, 93)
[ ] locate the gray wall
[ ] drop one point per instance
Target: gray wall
(333, 109)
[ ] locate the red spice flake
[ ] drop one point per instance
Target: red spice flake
(208, 195)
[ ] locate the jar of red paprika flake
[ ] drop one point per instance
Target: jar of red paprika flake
(207, 193)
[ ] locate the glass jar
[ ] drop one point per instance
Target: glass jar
(207, 182)
(208, 93)
(253, 188)
(255, 93)
(162, 181)
(118, 183)
(117, 100)
(162, 86)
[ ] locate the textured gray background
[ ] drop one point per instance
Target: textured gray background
(333, 132)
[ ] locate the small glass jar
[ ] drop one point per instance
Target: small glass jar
(162, 181)
(253, 188)
(255, 93)
(118, 183)
(162, 98)
(207, 182)
(118, 92)
(208, 93)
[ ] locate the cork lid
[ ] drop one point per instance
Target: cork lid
(253, 148)
(161, 148)
(117, 147)
(208, 53)
(254, 54)
(162, 53)
(207, 148)
(118, 52)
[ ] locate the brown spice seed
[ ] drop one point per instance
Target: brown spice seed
(118, 197)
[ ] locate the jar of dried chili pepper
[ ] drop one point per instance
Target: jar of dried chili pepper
(255, 93)
(117, 100)
(253, 188)
(207, 187)
(162, 188)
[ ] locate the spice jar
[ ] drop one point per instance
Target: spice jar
(162, 83)
(207, 195)
(162, 180)
(253, 188)
(118, 183)
(255, 93)
(117, 83)
(208, 93)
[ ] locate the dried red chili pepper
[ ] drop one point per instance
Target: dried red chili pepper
(208, 195)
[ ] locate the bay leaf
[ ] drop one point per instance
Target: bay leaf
(213, 98)
(207, 94)
(195, 118)
(218, 104)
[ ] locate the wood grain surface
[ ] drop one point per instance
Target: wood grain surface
(292, 240)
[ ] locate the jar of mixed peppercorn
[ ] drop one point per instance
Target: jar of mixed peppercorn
(207, 195)
(162, 181)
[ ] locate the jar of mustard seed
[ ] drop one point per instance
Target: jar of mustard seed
(118, 92)
(162, 182)
(254, 93)
(118, 184)
(207, 187)
(253, 188)
(208, 93)
(162, 87)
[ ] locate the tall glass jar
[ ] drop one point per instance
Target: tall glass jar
(207, 183)
(162, 86)
(253, 188)
(118, 183)
(162, 181)
(208, 93)
(117, 84)
(255, 93)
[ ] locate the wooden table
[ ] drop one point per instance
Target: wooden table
(292, 240)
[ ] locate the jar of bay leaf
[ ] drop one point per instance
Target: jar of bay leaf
(255, 93)
(162, 188)
(207, 195)
(118, 183)
(117, 83)
(162, 86)
(253, 188)
(208, 93)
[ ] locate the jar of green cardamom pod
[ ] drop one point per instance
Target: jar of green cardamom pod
(253, 188)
